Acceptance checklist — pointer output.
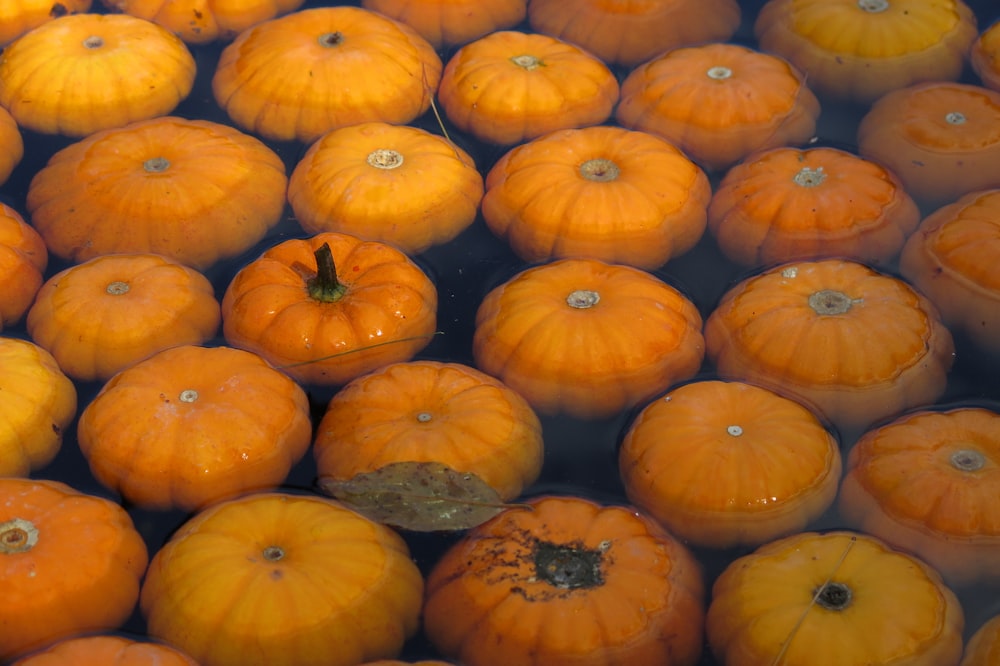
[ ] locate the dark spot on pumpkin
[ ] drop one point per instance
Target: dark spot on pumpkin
(58, 9)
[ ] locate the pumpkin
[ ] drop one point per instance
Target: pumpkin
(832, 599)
(192, 425)
(788, 204)
(723, 464)
(927, 483)
(983, 647)
(19, 16)
(397, 662)
(952, 260)
(719, 102)
(299, 76)
(204, 21)
(942, 139)
(104, 315)
(566, 581)
(39, 404)
(192, 190)
(428, 411)
(391, 183)
(984, 56)
(600, 192)
(71, 561)
(23, 259)
(105, 651)
(587, 338)
(283, 580)
(132, 69)
(858, 50)
(446, 23)
(11, 145)
(630, 33)
(855, 345)
(510, 86)
(330, 308)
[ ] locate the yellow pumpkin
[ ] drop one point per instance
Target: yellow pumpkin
(23, 259)
(984, 57)
(203, 21)
(446, 23)
(11, 145)
(19, 16)
(983, 647)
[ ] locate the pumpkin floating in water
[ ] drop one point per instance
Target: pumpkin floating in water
(587, 338)
(566, 581)
(833, 599)
(132, 69)
(19, 16)
(72, 564)
(723, 464)
(106, 651)
(391, 183)
(23, 259)
(600, 192)
(983, 647)
(984, 57)
(191, 425)
(719, 102)
(299, 76)
(786, 204)
(855, 345)
(446, 23)
(11, 145)
(204, 21)
(397, 662)
(283, 580)
(106, 314)
(942, 139)
(511, 86)
(858, 50)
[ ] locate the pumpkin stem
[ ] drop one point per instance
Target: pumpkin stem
(809, 177)
(583, 299)
(156, 165)
(93, 42)
(873, 6)
(188, 395)
(830, 302)
(528, 62)
(273, 553)
(568, 567)
(383, 158)
(325, 287)
(17, 536)
(599, 170)
(967, 460)
(834, 596)
(330, 39)
(117, 288)
(954, 118)
(719, 73)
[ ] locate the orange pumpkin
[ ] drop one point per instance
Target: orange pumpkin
(833, 599)
(72, 564)
(192, 190)
(927, 483)
(397, 662)
(855, 345)
(858, 50)
(446, 23)
(23, 259)
(566, 581)
(786, 204)
(719, 102)
(723, 464)
(111, 312)
(302, 75)
(391, 183)
(283, 580)
(106, 651)
(203, 21)
(426, 411)
(983, 647)
(984, 57)
(19, 16)
(118, 67)
(511, 86)
(600, 192)
(326, 316)
(942, 139)
(952, 259)
(191, 425)
(629, 33)
(11, 145)
(587, 338)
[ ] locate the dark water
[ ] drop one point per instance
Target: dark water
(581, 458)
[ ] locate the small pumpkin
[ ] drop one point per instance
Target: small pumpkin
(630, 33)
(427, 411)
(391, 183)
(984, 56)
(587, 338)
(193, 190)
(942, 139)
(599, 192)
(566, 581)
(106, 314)
(283, 580)
(397, 662)
(510, 86)
(723, 464)
(855, 345)
(983, 647)
(299, 76)
(192, 425)
(786, 204)
(71, 561)
(858, 50)
(133, 70)
(105, 651)
(719, 102)
(330, 308)
(446, 23)
(832, 599)
(23, 260)
(39, 404)
(11, 145)
(20, 16)
(204, 21)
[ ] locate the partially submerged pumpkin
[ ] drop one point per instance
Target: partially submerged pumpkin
(11, 145)
(984, 57)
(19, 16)
(446, 23)
(203, 21)
(106, 651)
(23, 260)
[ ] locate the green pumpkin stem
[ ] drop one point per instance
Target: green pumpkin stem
(325, 287)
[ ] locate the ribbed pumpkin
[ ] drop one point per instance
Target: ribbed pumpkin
(19, 16)
(11, 145)
(984, 56)
(23, 259)
(446, 23)
(106, 651)
(599, 192)
(983, 647)
(203, 21)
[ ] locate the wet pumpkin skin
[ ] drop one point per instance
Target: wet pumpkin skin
(20, 16)
(105, 651)
(23, 260)
(204, 21)
(446, 23)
